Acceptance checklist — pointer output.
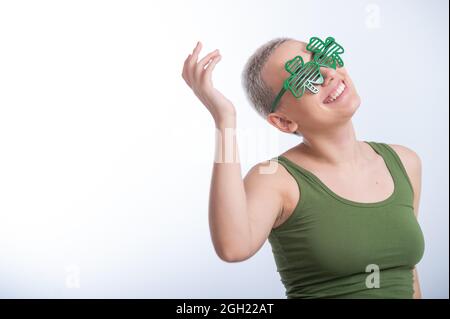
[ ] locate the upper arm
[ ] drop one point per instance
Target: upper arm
(413, 165)
(264, 201)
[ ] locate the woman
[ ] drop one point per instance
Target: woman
(340, 214)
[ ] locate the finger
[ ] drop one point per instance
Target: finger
(200, 68)
(188, 67)
(195, 53)
(184, 73)
(207, 58)
(210, 68)
(192, 61)
(186, 62)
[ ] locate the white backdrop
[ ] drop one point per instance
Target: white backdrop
(106, 156)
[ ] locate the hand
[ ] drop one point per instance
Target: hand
(198, 77)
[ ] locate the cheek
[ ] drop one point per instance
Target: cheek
(307, 107)
(347, 77)
(354, 91)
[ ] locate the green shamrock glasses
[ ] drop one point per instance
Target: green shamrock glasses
(307, 75)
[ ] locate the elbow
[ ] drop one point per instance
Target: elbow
(230, 256)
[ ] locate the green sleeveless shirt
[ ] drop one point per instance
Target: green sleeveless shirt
(332, 247)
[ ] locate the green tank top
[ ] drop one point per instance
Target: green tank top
(332, 247)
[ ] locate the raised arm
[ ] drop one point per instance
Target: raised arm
(241, 213)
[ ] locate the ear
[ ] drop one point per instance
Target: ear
(282, 123)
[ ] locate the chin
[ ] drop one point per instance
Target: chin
(350, 109)
(354, 104)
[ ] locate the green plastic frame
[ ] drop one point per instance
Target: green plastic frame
(306, 75)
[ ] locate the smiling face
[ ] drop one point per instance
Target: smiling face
(334, 104)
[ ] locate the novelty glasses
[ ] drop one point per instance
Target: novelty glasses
(307, 75)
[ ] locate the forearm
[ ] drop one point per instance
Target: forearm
(228, 218)
(417, 292)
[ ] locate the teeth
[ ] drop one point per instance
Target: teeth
(333, 96)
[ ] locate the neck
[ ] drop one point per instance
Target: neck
(336, 146)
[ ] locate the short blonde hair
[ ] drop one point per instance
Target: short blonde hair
(259, 94)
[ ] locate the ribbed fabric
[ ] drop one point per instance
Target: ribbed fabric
(330, 246)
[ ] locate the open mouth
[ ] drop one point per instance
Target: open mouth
(336, 93)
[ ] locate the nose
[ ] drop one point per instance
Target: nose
(328, 74)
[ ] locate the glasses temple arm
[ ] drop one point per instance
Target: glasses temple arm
(277, 100)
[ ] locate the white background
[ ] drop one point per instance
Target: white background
(106, 156)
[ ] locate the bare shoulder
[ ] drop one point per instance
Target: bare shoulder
(413, 166)
(266, 170)
(409, 158)
(267, 175)
(270, 181)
